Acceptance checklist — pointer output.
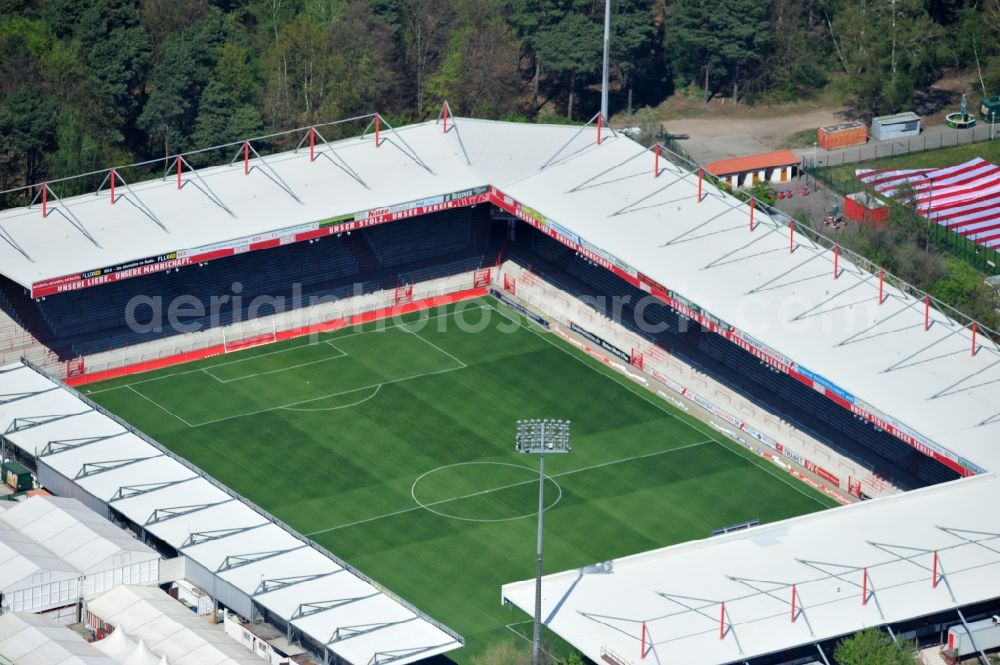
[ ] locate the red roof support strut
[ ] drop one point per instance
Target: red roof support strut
(700, 176)
(45, 200)
(753, 205)
(927, 313)
(722, 621)
(656, 162)
(794, 598)
(642, 656)
(178, 171)
(881, 286)
(599, 116)
(312, 144)
(378, 121)
(836, 261)
(791, 236)
(864, 589)
(246, 158)
(113, 186)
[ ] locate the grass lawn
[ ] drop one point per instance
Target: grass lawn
(802, 139)
(393, 446)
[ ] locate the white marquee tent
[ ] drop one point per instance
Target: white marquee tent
(166, 628)
(29, 639)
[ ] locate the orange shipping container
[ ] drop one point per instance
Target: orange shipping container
(842, 135)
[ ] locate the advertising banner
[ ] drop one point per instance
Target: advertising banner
(604, 344)
(277, 238)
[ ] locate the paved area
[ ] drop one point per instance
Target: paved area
(712, 138)
(931, 137)
(820, 202)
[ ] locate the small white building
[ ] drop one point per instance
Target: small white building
(774, 167)
(898, 125)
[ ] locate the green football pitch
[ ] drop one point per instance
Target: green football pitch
(392, 445)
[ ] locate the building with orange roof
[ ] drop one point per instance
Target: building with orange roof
(779, 166)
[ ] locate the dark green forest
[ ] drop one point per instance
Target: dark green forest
(89, 83)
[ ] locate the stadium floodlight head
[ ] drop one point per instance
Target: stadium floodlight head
(542, 436)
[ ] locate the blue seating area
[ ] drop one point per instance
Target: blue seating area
(806, 409)
(255, 284)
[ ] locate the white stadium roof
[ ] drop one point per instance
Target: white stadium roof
(603, 198)
(678, 591)
(215, 529)
(772, 292)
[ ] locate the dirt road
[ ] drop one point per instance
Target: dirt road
(710, 138)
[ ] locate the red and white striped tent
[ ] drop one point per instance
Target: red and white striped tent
(964, 198)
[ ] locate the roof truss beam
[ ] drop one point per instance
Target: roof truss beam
(336, 159)
(21, 424)
(199, 537)
(347, 632)
(129, 491)
(179, 163)
(728, 627)
(13, 397)
(9, 239)
(385, 657)
(244, 150)
(558, 152)
(238, 560)
(132, 198)
(63, 210)
(94, 468)
(276, 583)
(307, 609)
(402, 145)
(164, 514)
(798, 606)
(954, 388)
(447, 115)
(61, 445)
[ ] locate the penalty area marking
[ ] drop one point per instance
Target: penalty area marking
(342, 406)
(336, 337)
(427, 506)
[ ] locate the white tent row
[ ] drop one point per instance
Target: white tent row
(30, 639)
(81, 537)
(234, 551)
(151, 628)
(54, 551)
(32, 578)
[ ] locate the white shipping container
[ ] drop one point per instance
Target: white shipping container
(985, 634)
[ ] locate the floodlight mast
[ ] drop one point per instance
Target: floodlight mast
(541, 437)
(607, 43)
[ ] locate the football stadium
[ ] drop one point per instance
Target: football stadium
(297, 374)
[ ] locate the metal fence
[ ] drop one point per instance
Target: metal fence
(934, 139)
(979, 256)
